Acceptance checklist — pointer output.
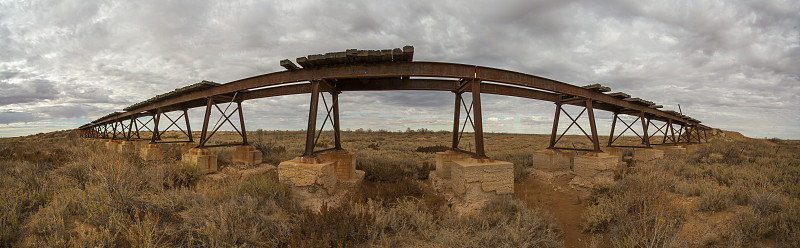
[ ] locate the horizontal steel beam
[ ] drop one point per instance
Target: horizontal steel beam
(394, 76)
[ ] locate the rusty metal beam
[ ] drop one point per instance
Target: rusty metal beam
(397, 70)
(312, 119)
(478, 118)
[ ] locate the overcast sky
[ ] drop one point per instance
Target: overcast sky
(732, 64)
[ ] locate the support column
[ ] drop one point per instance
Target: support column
(241, 122)
(203, 157)
(156, 133)
(206, 119)
(613, 126)
(478, 120)
(188, 127)
(337, 137)
(645, 125)
(312, 119)
(130, 128)
(456, 120)
(672, 132)
(114, 129)
(592, 125)
(555, 125)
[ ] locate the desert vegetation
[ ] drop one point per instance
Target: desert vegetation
(732, 193)
(68, 192)
(59, 190)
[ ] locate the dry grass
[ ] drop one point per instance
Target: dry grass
(647, 207)
(67, 192)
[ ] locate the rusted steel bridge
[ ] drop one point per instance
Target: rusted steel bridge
(393, 69)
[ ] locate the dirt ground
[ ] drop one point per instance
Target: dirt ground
(552, 192)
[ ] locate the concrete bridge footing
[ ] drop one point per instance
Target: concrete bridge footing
(204, 158)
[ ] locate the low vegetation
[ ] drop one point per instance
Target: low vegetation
(68, 192)
(62, 191)
(751, 186)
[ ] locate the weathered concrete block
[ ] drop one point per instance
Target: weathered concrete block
(186, 147)
(299, 173)
(247, 155)
(647, 155)
(672, 151)
(490, 176)
(552, 160)
(138, 145)
(152, 152)
(204, 158)
(345, 166)
(615, 151)
(112, 145)
(126, 147)
(590, 164)
(691, 148)
(444, 161)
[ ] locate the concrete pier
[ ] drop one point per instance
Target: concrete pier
(112, 145)
(152, 152)
(247, 155)
(482, 179)
(644, 155)
(126, 147)
(300, 172)
(444, 161)
(552, 160)
(596, 168)
(672, 151)
(345, 166)
(204, 158)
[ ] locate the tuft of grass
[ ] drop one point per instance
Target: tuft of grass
(181, 175)
(432, 149)
(346, 225)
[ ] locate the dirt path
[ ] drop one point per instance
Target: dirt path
(563, 202)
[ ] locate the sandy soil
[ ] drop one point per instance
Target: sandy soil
(551, 192)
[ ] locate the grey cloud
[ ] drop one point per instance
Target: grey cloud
(27, 91)
(7, 117)
(724, 62)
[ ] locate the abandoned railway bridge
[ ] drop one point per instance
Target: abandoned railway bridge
(662, 131)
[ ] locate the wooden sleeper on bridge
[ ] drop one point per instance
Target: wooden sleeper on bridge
(405, 54)
(597, 88)
(619, 95)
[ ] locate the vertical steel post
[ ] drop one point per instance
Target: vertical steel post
(114, 129)
(613, 125)
(555, 125)
(337, 137)
(593, 126)
(312, 119)
(130, 128)
(645, 125)
(156, 132)
(705, 135)
(136, 126)
(478, 120)
(188, 127)
(456, 119)
(206, 119)
(672, 132)
(241, 122)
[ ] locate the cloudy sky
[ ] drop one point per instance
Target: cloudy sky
(732, 64)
